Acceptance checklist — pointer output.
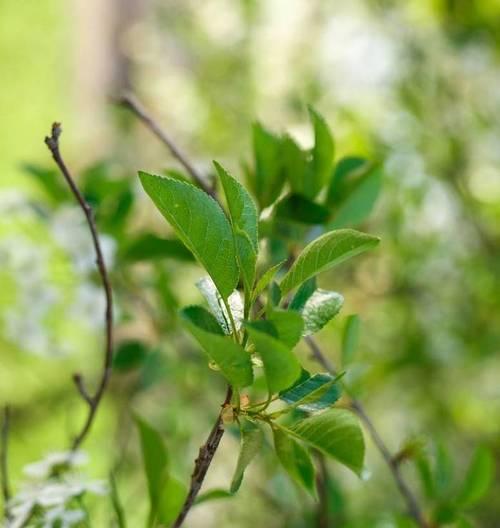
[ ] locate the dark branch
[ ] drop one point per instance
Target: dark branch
(131, 102)
(4, 466)
(412, 504)
(202, 463)
(93, 401)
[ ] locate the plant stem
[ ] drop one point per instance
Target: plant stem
(202, 463)
(94, 400)
(412, 503)
(131, 102)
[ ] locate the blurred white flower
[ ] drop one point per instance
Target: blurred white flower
(64, 518)
(53, 462)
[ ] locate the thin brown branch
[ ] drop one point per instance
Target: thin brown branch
(4, 465)
(413, 506)
(130, 102)
(93, 401)
(202, 463)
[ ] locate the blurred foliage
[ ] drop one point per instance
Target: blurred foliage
(411, 85)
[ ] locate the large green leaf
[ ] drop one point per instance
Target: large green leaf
(325, 252)
(155, 459)
(336, 433)
(295, 459)
(244, 218)
(478, 479)
(314, 394)
(322, 155)
(320, 308)
(251, 442)
(230, 357)
(280, 364)
(201, 225)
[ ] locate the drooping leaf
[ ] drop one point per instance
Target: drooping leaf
(265, 279)
(230, 357)
(335, 432)
(251, 443)
(295, 459)
(201, 225)
(289, 326)
(321, 307)
(350, 338)
(297, 208)
(149, 246)
(244, 219)
(478, 478)
(314, 394)
(155, 460)
(325, 252)
(281, 367)
(322, 155)
(216, 304)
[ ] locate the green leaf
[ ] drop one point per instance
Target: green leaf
(324, 253)
(155, 459)
(269, 176)
(173, 495)
(348, 169)
(322, 155)
(321, 307)
(265, 279)
(478, 479)
(149, 246)
(251, 443)
(50, 181)
(336, 433)
(280, 364)
(295, 164)
(217, 307)
(288, 325)
(302, 295)
(314, 394)
(116, 502)
(295, 459)
(214, 494)
(201, 224)
(129, 355)
(244, 219)
(230, 357)
(297, 208)
(359, 204)
(350, 338)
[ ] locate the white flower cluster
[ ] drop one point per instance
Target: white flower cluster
(52, 498)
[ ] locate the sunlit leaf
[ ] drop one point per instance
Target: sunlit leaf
(320, 308)
(325, 252)
(201, 224)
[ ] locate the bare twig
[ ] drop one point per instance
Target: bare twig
(412, 504)
(202, 463)
(93, 401)
(131, 102)
(4, 466)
